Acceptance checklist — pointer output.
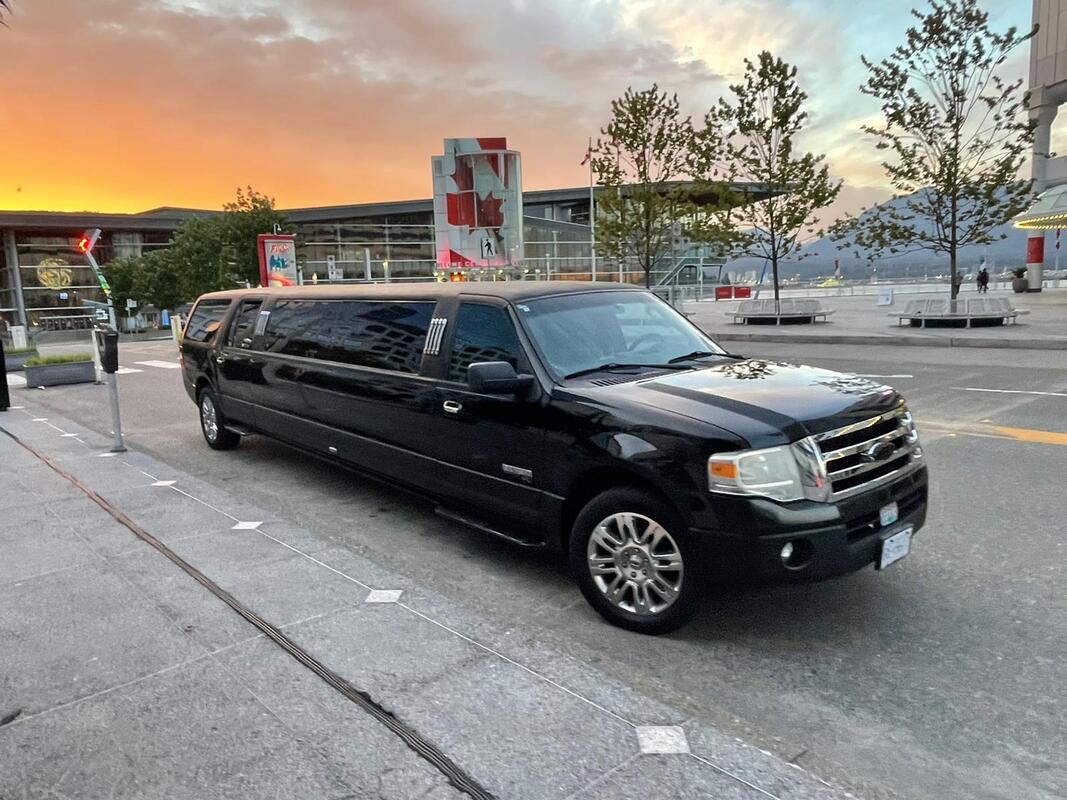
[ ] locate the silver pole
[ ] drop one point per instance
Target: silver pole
(366, 265)
(592, 214)
(116, 423)
(99, 276)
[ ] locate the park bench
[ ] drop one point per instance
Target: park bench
(790, 308)
(977, 308)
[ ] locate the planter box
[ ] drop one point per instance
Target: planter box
(59, 374)
(16, 361)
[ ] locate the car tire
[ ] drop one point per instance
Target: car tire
(635, 562)
(213, 423)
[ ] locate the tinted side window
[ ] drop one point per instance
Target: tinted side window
(297, 328)
(205, 320)
(381, 334)
(366, 333)
(242, 329)
(483, 333)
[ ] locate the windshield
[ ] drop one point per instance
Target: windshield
(575, 333)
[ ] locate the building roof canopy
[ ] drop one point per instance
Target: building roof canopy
(1048, 212)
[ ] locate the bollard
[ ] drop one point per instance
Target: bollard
(176, 328)
(108, 343)
(5, 395)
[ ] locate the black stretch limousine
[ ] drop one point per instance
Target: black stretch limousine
(592, 418)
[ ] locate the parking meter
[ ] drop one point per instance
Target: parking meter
(107, 344)
(107, 340)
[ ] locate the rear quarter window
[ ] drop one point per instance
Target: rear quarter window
(205, 321)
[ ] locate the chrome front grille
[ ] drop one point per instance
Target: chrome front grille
(865, 454)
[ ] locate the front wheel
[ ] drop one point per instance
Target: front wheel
(635, 562)
(213, 424)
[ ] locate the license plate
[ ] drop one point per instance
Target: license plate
(889, 514)
(895, 547)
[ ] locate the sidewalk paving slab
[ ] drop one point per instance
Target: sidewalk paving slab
(70, 634)
(191, 732)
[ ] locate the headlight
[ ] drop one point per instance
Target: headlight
(786, 473)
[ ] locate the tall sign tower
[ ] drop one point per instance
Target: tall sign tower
(477, 207)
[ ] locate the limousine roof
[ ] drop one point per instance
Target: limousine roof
(509, 290)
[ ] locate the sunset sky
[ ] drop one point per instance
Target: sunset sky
(122, 105)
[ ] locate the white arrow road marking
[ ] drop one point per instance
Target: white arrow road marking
(160, 364)
(858, 375)
(127, 370)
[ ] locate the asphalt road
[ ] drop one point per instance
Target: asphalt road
(942, 677)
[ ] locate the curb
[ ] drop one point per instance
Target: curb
(906, 341)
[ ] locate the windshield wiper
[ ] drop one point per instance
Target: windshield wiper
(694, 354)
(615, 365)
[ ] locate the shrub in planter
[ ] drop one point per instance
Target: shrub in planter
(15, 360)
(58, 370)
(1019, 283)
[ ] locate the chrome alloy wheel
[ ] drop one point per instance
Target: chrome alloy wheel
(209, 418)
(635, 563)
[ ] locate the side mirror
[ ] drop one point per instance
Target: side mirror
(496, 377)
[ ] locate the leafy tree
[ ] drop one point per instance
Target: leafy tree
(158, 280)
(5, 7)
(639, 164)
(242, 221)
(750, 141)
(955, 134)
(121, 274)
(200, 257)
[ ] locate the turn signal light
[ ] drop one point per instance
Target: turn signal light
(724, 469)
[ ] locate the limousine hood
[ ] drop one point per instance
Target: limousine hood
(763, 401)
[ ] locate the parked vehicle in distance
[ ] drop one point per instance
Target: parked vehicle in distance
(589, 418)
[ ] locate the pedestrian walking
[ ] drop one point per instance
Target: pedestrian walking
(983, 281)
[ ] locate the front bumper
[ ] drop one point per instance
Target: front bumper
(834, 538)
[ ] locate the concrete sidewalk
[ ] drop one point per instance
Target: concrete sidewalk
(122, 676)
(859, 320)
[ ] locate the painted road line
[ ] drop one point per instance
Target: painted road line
(1009, 391)
(1028, 435)
(858, 375)
(127, 370)
(996, 432)
(160, 364)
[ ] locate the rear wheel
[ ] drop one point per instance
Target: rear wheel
(213, 424)
(635, 561)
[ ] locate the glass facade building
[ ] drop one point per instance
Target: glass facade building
(43, 275)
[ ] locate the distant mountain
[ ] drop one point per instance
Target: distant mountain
(999, 255)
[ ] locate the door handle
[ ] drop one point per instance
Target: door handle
(452, 407)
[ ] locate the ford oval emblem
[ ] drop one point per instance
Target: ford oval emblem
(879, 452)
